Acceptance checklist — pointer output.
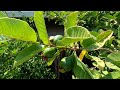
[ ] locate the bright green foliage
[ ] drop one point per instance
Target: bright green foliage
(112, 66)
(112, 75)
(41, 27)
(18, 29)
(80, 70)
(78, 31)
(99, 63)
(114, 58)
(96, 32)
(74, 34)
(34, 68)
(26, 54)
(71, 20)
(99, 42)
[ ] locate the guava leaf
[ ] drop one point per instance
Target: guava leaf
(94, 33)
(27, 53)
(71, 20)
(67, 41)
(96, 74)
(100, 63)
(74, 34)
(116, 14)
(87, 42)
(109, 42)
(108, 16)
(80, 70)
(100, 41)
(112, 75)
(91, 14)
(114, 58)
(41, 27)
(78, 31)
(53, 58)
(119, 32)
(18, 29)
(104, 36)
(112, 66)
(118, 41)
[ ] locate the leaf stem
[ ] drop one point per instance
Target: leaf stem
(106, 49)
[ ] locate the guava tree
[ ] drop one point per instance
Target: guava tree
(77, 41)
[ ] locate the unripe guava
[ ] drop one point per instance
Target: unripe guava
(49, 52)
(56, 38)
(66, 63)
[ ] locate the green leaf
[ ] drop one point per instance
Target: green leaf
(104, 36)
(119, 32)
(80, 70)
(78, 31)
(116, 14)
(100, 41)
(108, 16)
(96, 74)
(2, 14)
(41, 27)
(112, 75)
(53, 58)
(71, 20)
(18, 29)
(87, 42)
(26, 54)
(112, 66)
(91, 14)
(74, 34)
(67, 41)
(100, 63)
(118, 41)
(109, 42)
(114, 58)
(94, 33)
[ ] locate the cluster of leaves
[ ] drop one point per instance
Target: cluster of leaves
(102, 48)
(35, 68)
(58, 16)
(92, 20)
(97, 40)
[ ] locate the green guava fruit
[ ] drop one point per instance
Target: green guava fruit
(56, 38)
(66, 63)
(43, 47)
(49, 52)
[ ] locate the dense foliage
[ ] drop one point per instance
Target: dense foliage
(35, 68)
(91, 42)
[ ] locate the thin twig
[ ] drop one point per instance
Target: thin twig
(106, 49)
